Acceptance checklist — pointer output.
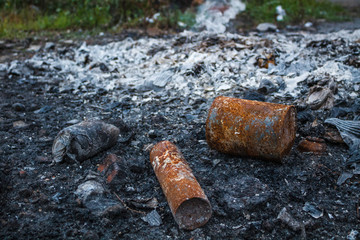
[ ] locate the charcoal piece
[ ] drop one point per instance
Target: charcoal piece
(287, 219)
(244, 193)
(267, 86)
(343, 177)
(84, 140)
(313, 210)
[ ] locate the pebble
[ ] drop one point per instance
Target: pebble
(89, 188)
(20, 124)
(153, 218)
(49, 46)
(265, 27)
(266, 86)
(286, 218)
(318, 99)
(19, 107)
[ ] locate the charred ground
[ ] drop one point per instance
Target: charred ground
(38, 199)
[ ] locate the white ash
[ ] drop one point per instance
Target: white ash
(196, 65)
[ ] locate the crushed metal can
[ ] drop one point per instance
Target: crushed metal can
(188, 202)
(84, 140)
(251, 128)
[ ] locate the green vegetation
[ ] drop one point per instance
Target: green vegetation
(297, 11)
(23, 18)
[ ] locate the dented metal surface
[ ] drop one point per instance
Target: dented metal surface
(84, 140)
(250, 128)
(188, 202)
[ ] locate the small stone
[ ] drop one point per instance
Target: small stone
(308, 25)
(320, 97)
(267, 86)
(313, 210)
(311, 146)
(44, 109)
(103, 67)
(89, 188)
(49, 46)
(265, 27)
(153, 218)
(152, 134)
(20, 124)
(286, 218)
(353, 235)
(73, 121)
(34, 48)
(343, 177)
(19, 107)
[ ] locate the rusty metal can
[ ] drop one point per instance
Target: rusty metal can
(251, 128)
(188, 202)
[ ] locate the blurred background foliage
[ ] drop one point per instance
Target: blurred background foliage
(297, 11)
(21, 18)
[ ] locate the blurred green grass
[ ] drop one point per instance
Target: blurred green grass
(297, 11)
(24, 18)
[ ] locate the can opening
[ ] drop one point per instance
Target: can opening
(193, 213)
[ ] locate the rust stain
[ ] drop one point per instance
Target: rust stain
(263, 62)
(187, 201)
(251, 128)
(312, 146)
(110, 167)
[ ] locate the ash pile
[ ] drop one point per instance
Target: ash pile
(155, 89)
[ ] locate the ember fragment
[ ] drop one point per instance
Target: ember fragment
(312, 146)
(264, 61)
(110, 167)
(188, 202)
(250, 128)
(84, 140)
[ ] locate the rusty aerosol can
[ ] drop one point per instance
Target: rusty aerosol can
(251, 128)
(188, 202)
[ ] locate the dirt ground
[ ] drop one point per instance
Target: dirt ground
(38, 200)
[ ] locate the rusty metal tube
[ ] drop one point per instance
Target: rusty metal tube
(188, 202)
(251, 128)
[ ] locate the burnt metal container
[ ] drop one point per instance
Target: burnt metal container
(251, 128)
(187, 201)
(84, 140)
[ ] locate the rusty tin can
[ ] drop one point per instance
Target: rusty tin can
(188, 202)
(251, 128)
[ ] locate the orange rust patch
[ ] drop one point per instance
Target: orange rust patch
(311, 146)
(251, 128)
(187, 201)
(110, 167)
